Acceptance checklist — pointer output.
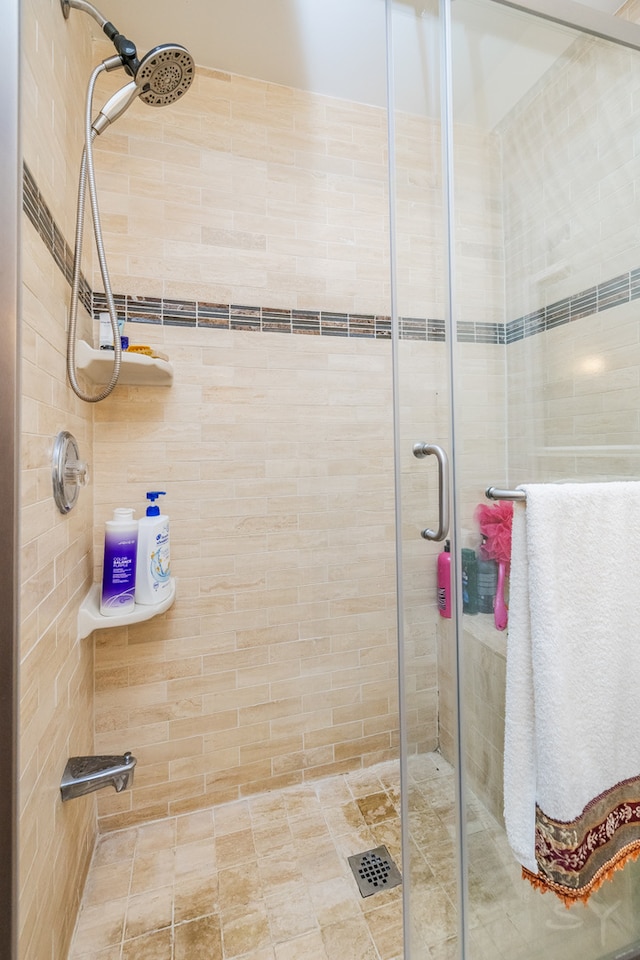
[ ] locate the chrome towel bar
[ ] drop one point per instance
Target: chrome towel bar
(494, 493)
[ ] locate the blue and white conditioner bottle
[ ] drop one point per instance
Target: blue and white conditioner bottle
(153, 571)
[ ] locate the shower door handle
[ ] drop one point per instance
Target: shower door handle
(421, 450)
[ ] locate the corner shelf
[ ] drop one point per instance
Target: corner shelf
(90, 618)
(136, 368)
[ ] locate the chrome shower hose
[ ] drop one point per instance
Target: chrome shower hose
(87, 173)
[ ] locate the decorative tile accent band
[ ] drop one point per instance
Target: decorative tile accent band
(602, 296)
(38, 212)
(225, 316)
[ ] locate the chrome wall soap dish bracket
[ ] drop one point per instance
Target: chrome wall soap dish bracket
(68, 471)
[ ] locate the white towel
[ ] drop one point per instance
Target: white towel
(573, 656)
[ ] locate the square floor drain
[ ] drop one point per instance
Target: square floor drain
(374, 870)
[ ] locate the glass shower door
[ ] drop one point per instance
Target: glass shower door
(421, 355)
(546, 255)
(539, 382)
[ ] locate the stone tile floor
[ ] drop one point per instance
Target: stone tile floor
(267, 878)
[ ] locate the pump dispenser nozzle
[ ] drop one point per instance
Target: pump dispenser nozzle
(154, 510)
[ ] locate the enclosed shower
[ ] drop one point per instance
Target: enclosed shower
(390, 249)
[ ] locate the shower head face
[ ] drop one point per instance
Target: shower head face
(165, 74)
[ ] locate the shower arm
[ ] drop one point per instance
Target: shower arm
(125, 48)
(83, 5)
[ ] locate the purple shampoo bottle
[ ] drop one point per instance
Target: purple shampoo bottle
(444, 581)
(119, 569)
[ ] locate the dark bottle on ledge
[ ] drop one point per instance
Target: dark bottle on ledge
(469, 581)
(487, 583)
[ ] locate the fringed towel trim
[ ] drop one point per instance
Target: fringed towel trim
(582, 894)
(576, 858)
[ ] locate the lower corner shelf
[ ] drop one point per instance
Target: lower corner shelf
(90, 618)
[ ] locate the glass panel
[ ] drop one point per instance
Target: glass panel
(428, 733)
(547, 382)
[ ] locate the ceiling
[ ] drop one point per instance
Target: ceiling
(337, 47)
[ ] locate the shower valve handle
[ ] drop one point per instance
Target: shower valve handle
(76, 471)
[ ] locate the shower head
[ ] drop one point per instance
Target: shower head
(165, 74)
(162, 76)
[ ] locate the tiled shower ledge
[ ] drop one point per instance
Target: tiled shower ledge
(483, 628)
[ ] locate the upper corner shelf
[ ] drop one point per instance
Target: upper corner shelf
(136, 368)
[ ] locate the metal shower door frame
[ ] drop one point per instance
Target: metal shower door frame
(570, 13)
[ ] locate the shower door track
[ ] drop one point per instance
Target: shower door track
(568, 13)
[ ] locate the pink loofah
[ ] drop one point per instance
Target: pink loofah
(495, 525)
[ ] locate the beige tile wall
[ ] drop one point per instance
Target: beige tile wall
(423, 418)
(570, 162)
(570, 207)
(479, 246)
(483, 696)
(56, 672)
(277, 662)
(251, 193)
(423, 384)
(419, 224)
(481, 449)
(576, 392)
(479, 229)
(282, 642)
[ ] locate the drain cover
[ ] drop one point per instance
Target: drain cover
(374, 870)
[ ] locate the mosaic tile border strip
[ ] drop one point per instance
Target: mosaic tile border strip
(38, 212)
(602, 296)
(225, 316)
